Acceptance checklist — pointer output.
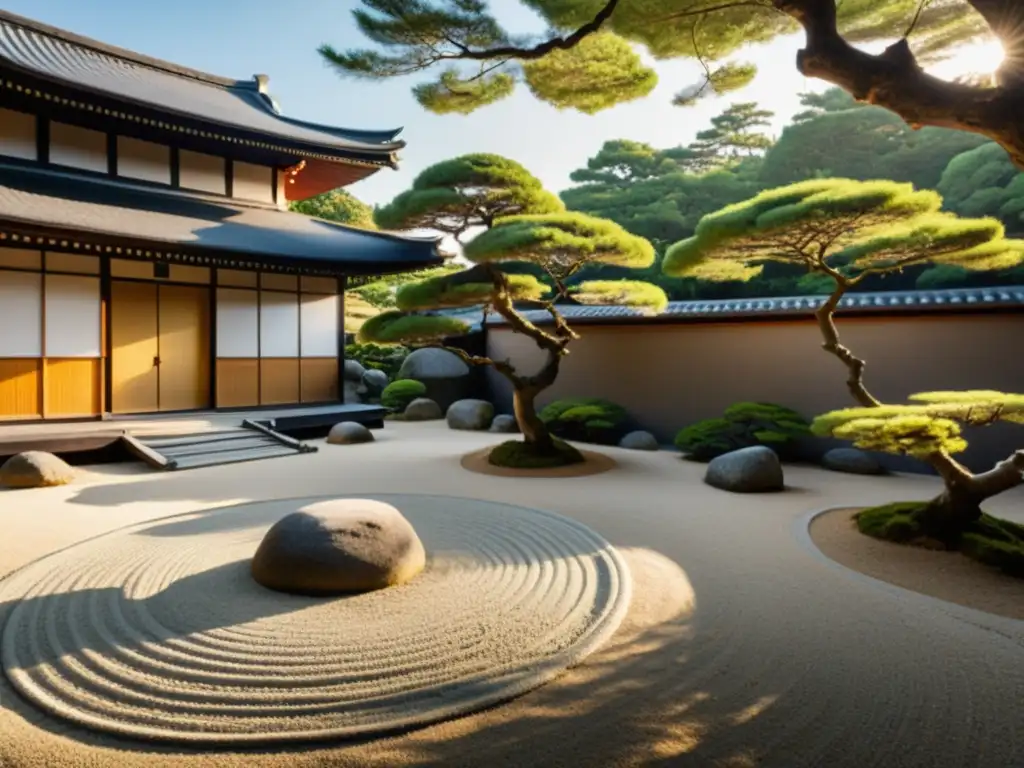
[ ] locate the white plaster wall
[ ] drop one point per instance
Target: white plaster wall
(72, 316)
(21, 314)
(78, 147)
(669, 376)
(238, 329)
(201, 172)
(319, 326)
(143, 160)
(252, 182)
(18, 135)
(279, 324)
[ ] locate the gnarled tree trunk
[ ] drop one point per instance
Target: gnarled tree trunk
(950, 513)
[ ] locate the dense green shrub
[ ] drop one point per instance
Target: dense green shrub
(398, 394)
(741, 426)
(383, 357)
(586, 419)
(989, 540)
(517, 454)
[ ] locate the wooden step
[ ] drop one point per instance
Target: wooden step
(216, 459)
(206, 449)
(242, 443)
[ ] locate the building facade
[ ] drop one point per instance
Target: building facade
(148, 262)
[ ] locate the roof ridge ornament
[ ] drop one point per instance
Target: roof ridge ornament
(263, 88)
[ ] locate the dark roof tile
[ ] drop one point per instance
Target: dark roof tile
(70, 203)
(882, 302)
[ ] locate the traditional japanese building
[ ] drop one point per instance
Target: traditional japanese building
(148, 262)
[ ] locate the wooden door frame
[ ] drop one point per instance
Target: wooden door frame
(109, 346)
(207, 339)
(106, 293)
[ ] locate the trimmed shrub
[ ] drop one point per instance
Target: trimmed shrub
(586, 419)
(741, 426)
(383, 357)
(517, 454)
(398, 394)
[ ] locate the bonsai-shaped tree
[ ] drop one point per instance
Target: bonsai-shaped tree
(465, 193)
(846, 230)
(522, 224)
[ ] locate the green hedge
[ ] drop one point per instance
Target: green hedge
(398, 394)
(741, 426)
(586, 419)
(383, 357)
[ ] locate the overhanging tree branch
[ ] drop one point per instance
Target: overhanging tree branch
(541, 49)
(893, 79)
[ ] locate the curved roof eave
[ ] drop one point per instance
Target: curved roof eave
(92, 66)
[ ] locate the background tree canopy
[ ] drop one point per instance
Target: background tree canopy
(661, 194)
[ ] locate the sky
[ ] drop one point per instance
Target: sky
(241, 38)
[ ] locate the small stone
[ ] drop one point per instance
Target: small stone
(640, 440)
(349, 433)
(504, 423)
(339, 546)
(852, 460)
(470, 414)
(749, 470)
(35, 469)
(422, 409)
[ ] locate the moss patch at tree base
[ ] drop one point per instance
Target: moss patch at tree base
(943, 574)
(517, 454)
(570, 462)
(989, 540)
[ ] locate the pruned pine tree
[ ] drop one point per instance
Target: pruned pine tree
(846, 230)
(559, 244)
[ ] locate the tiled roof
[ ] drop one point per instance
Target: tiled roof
(73, 204)
(953, 299)
(244, 105)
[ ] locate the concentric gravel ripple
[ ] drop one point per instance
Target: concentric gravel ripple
(159, 632)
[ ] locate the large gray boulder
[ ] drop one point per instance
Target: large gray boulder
(470, 414)
(503, 422)
(639, 441)
(852, 460)
(353, 387)
(349, 433)
(339, 546)
(445, 375)
(749, 470)
(35, 469)
(374, 381)
(422, 409)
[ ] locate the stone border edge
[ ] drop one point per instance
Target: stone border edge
(1003, 625)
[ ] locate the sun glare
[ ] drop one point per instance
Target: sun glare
(975, 59)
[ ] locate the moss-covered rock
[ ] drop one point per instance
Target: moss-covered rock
(517, 454)
(743, 425)
(995, 542)
(381, 357)
(586, 419)
(398, 394)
